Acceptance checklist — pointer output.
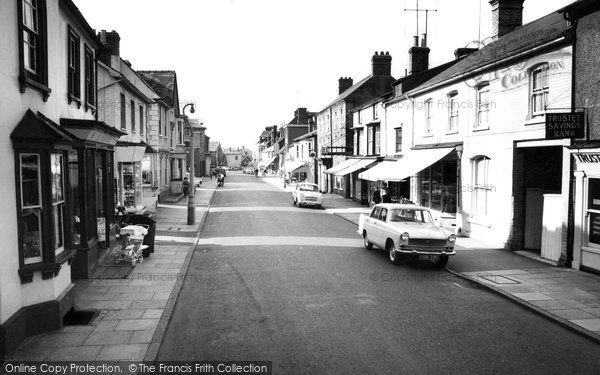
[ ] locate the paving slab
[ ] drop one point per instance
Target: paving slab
(130, 352)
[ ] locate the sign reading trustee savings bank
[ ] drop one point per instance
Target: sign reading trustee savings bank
(565, 125)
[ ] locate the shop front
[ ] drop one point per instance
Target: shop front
(92, 186)
(586, 236)
(129, 189)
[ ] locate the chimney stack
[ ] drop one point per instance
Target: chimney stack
(507, 15)
(418, 57)
(301, 115)
(109, 54)
(344, 84)
(382, 64)
(462, 52)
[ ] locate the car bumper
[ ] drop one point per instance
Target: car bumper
(311, 203)
(426, 251)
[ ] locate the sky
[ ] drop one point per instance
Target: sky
(248, 64)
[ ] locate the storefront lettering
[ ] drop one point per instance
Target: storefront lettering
(565, 125)
(588, 158)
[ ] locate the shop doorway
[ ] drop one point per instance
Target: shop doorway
(541, 174)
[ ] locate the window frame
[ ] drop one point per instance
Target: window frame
(123, 111)
(398, 138)
(453, 113)
(73, 67)
(544, 91)
(132, 115)
(480, 189)
(428, 104)
(89, 78)
(141, 114)
(482, 107)
(38, 78)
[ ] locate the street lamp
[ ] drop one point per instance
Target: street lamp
(191, 211)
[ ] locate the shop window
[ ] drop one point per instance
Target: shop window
(31, 208)
(539, 90)
(593, 210)
(90, 80)
(428, 106)
(483, 106)
(33, 54)
(131, 189)
(74, 69)
(438, 187)
(453, 112)
(339, 182)
(481, 187)
(74, 191)
(58, 201)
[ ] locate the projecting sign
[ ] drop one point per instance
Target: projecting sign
(565, 125)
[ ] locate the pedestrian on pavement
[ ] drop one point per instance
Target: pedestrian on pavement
(210, 174)
(186, 187)
(376, 196)
(385, 194)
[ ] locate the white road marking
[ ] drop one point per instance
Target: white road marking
(267, 241)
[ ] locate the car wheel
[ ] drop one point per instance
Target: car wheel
(368, 244)
(442, 261)
(393, 256)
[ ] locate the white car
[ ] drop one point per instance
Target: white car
(406, 230)
(307, 194)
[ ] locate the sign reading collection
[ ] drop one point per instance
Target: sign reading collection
(565, 125)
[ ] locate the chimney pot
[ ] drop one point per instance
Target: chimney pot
(381, 64)
(344, 84)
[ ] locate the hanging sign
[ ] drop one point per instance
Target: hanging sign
(565, 125)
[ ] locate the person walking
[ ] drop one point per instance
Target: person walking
(186, 187)
(376, 195)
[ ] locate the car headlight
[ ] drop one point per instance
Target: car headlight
(404, 237)
(451, 240)
(301, 196)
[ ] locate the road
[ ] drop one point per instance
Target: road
(294, 286)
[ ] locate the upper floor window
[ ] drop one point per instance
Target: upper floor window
(90, 84)
(357, 139)
(428, 107)
(132, 111)
(74, 70)
(539, 89)
(142, 125)
(33, 54)
(375, 112)
(359, 117)
(123, 114)
(373, 140)
(398, 131)
(180, 132)
(160, 120)
(483, 105)
(453, 112)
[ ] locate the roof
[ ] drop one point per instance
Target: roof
(523, 39)
(213, 145)
(164, 82)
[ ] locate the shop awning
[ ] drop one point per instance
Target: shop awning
(291, 166)
(343, 165)
(362, 163)
(129, 154)
(411, 164)
(266, 163)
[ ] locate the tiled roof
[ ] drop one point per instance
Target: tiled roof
(161, 81)
(213, 145)
(523, 39)
(349, 91)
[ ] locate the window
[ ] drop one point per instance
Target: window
(132, 110)
(123, 115)
(74, 70)
(375, 112)
(33, 55)
(180, 132)
(377, 140)
(357, 138)
(90, 89)
(593, 211)
(452, 112)
(31, 207)
(481, 185)
(58, 202)
(399, 139)
(483, 106)
(359, 118)
(539, 90)
(428, 106)
(142, 125)
(160, 120)
(373, 140)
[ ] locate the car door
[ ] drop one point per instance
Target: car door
(372, 225)
(382, 227)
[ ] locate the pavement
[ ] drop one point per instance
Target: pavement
(134, 311)
(568, 297)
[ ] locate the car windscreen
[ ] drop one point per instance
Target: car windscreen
(410, 216)
(307, 188)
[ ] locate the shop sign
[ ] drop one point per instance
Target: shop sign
(565, 125)
(587, 158)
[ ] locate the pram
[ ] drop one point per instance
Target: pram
(132, 248)
(220, 180)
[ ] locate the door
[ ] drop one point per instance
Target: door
(534, 210)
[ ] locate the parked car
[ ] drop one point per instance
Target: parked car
(406, 230)
(307, 194)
